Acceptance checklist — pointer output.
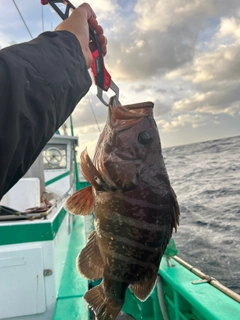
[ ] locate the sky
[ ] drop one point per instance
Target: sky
(182, 55)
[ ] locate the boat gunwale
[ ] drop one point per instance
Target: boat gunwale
(214, 282)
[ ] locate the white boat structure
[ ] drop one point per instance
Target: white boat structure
(34, 244)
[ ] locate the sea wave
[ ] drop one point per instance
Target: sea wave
(206, 179)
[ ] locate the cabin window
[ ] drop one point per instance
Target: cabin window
(55, 156)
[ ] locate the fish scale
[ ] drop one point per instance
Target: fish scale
(134, 206)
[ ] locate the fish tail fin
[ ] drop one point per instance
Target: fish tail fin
(105, 308)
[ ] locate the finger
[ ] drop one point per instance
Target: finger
(102, 39)
(103, 42)
(89, 10)
(93, 22)
(99, 30)
(104, 49)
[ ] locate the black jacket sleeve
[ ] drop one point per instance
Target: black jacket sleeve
(41, 82)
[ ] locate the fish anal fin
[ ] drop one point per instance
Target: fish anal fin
(105, 308)
(81, 202)
(89, 261)
(144, 287)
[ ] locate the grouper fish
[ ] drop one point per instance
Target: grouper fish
(134, 205)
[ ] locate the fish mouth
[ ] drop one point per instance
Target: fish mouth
(124, 117)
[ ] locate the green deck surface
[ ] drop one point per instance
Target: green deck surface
(71, 309)
(70, 303)
(184, 301)
(147, 310)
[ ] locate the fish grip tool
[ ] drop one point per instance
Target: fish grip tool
(102, 78)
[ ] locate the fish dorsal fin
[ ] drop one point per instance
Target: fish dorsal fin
(144, 287)
(81, 202)
(90, 172)
(89, 261)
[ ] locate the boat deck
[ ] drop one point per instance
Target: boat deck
(183, 299)
(70, 303)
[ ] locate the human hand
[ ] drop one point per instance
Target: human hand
(77, 23)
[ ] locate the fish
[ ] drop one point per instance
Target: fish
(135, 208)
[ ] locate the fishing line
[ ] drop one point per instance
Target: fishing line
(22, 19)
(94, 115)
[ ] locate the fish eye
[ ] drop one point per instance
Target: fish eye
(144, 137)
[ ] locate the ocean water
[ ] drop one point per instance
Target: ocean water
(206, 179)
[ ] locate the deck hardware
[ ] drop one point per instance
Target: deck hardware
(169, 263)
(47, 272)
(206, 279)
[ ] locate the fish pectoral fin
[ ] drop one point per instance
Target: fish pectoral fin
(89, 261)
(81, 202)
(105, 308)
(144, 287)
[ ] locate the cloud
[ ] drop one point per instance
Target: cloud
(182, 55)
(141, 55)
(195, 14)
(214, 102)
(229, 26)
(161, 90)
(180, 121)
(141, 87)
(214, 75)
(220, 64)
(104, 10)
(162, 15)
(163, 37)
(155, 37)
(161, 108)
